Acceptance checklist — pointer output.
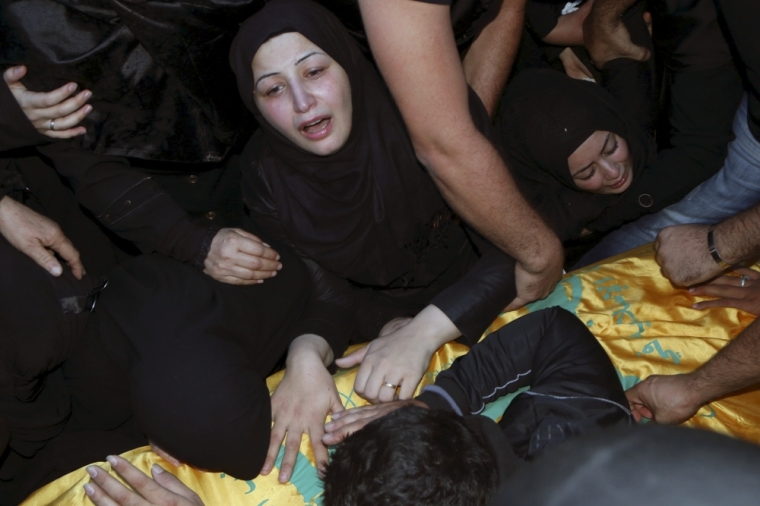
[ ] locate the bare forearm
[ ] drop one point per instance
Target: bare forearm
(738, 238)
(733, 368)
(569, 29)
(489, 60)
(609, 10)
(476, 183)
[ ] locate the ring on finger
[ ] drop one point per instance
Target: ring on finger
(744, 279)
(52, 124)
(390, 385)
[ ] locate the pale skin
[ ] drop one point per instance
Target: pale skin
(58, 105)
(602, 164)
(414, 46)
(38, 237)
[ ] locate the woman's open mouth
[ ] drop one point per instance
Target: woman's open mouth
(317, 128)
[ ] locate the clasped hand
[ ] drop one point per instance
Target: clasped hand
(240, 258)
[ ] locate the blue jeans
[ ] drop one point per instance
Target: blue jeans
(733, 189)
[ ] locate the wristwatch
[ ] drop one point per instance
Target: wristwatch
(714, 251)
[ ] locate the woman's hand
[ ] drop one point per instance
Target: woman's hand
(730, 292)
(301, 403)
(53, 114)
(163, 489)
(347, 422)
(238, 257)
(38, 237)
(401, 357)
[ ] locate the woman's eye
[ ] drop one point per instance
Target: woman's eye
(274, 90)
(590, 175)
(315, 72)
(614, 148)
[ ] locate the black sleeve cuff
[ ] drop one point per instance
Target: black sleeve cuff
(474, 301)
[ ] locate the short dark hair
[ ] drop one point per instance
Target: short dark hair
(415, 456)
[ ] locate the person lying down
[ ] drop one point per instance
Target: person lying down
(438, 448)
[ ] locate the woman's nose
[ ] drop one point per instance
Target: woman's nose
(610, 170)
(303, 100)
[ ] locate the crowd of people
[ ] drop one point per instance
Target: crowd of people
(194, 195)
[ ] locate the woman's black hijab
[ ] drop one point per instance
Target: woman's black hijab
(356, 211)
(546, 117)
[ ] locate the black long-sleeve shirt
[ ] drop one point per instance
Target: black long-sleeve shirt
(470, 300)
(574, 388)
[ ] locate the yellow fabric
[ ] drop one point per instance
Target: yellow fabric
(645, 324)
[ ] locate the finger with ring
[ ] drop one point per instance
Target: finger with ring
(52, 124)
(390, 385)
(744, 279)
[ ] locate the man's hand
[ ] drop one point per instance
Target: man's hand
(347, 422)
(301, 403)
(683, 255)
(731, 293)
(38, 237)
(606, 37)
(164, 489)
(668, 400)
(534, 285)
(55, 105)
(240, 258)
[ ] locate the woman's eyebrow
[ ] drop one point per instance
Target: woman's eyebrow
(264, 77)
(307, 56)
(584, 169)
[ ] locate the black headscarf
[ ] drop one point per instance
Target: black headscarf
(546, 118)
(355, 211)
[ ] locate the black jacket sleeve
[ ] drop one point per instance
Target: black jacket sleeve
(548, 349)
(473, 302)
(131, 203)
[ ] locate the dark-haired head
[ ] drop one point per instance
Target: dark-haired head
(412, 456)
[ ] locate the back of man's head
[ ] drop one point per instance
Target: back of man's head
(412, 456)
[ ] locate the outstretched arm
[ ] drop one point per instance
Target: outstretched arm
(414, 46)
(675, 399)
